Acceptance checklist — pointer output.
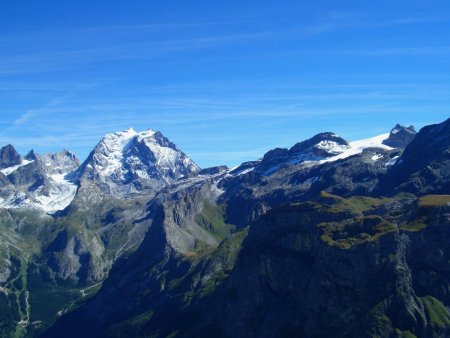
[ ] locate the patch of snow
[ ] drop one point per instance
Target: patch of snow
(145, 134)
(10, 170)
(62, 193)
(357, 147)
(165, 157)
(303, 158)
(376, 157)
(332, 147)
(16, 199)
(245, 171)
(392, 161)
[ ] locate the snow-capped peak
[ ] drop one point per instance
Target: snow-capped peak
(129, 161)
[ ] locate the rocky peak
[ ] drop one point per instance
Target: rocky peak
(9, 157)
(277, 152)
(431, 144)
(315, 149)
(130, 161)
(64, 161)
(400, 136)
(31, 155)
(424, 165)
(323, 145)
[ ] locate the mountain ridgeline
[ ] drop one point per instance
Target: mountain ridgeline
(328, 238)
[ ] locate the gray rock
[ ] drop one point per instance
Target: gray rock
(9, 157)
(400, 136)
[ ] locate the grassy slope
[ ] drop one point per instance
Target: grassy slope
(212, 219)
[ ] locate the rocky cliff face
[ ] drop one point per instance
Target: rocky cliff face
(400, 136)
(9, 157)
(424, 165)
(307, 270)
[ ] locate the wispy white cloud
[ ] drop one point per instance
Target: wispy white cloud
(25, 117)
(109, 43)
(49, 61)
(413, 20)
(382, 51)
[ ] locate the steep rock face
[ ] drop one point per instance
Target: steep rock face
(128, 162)
(294, 278)
(81, 260)
(424, 166)
(400, 136)
(9, 157)
(87, 240)
(183, 231)
(284, 265)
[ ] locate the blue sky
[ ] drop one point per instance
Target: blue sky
(224, 80)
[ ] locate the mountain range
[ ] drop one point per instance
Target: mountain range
(328, 238)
